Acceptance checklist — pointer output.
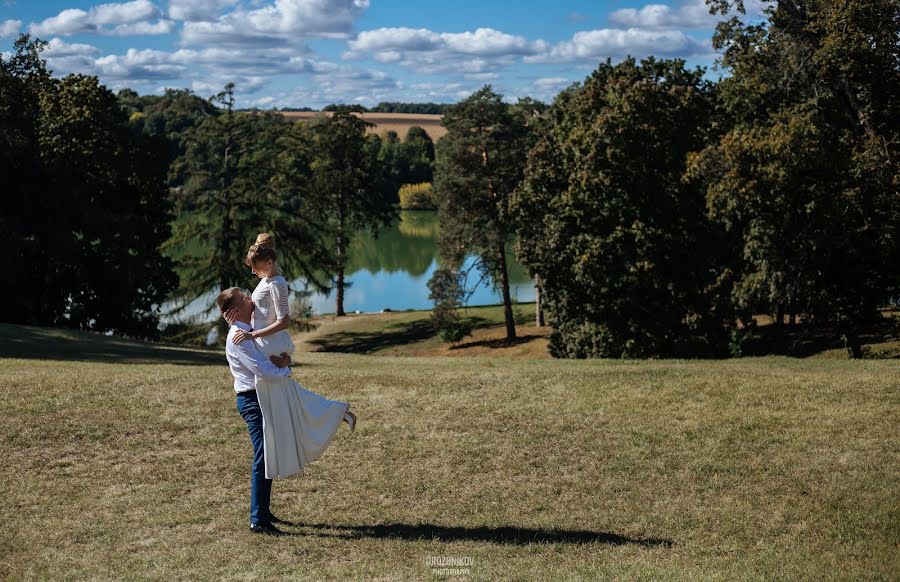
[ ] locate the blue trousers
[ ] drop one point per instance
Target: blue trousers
(260, 487)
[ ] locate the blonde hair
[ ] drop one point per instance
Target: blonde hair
(226, 299)
(262, 250)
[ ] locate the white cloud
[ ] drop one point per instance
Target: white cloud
(103, 19)
(594, 45)
(124, 13)
(690, 14)
(194, 10)
(63, 57)
(57, 48)
(144, 28)
(69, 21)
(426, 51)
(282, 22)
(10, 28)
(139, 64)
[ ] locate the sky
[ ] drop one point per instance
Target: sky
(309, 53)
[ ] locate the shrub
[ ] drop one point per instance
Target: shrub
(417, 197)
(447, 293)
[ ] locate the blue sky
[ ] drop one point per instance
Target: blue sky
(294, 53)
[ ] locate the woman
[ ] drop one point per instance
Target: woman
(298, 425)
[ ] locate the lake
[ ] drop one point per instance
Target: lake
(391, 271)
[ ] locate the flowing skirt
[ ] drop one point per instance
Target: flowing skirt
(298, 424)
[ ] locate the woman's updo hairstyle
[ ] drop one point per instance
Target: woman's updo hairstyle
(262, 250)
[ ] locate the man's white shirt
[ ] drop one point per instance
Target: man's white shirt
(247, 363)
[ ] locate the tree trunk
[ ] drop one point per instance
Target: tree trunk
(507, 302)
(340, 265)
(340, 292)
(538, 311)
(339, 308)
(854, 346)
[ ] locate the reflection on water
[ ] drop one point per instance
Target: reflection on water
(391, 271)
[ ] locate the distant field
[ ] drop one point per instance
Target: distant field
(399, 122)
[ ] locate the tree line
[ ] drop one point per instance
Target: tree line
(114, 204)
(657, 210)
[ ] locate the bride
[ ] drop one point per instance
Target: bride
(298, 425)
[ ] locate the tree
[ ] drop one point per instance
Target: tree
(242, 178)
(479, 162)
(418, 156)
(624, 253)
(170, 116)
(88, 208)
(804, 173)
(345, 186)
(446, 292)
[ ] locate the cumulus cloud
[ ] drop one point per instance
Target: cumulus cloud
(201, 10)
(144, 64)
(124, 13)
(63, 57)
(690, 14)
(279, 23)
(426, 51)
(121, 18)
(600, 44)
(57, 48)
(144, 28)
(10, 28)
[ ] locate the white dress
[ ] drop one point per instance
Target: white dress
(298, 425)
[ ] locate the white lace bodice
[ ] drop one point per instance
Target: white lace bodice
(271, 300)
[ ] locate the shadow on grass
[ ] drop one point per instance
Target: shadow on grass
(401, 334)
(803, 341)
(364, 342)
(498, 535)
(499, 342)
(46, 343)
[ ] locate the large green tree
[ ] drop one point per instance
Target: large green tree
(804, 174)
(345, 188)
(479, 162)
(242, 178)
(620, 242)
(85, 202)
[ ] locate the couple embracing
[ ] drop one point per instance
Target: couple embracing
(289, 426)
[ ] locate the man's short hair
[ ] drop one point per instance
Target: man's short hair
(227, 298)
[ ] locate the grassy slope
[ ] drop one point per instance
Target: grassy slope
(408, 333)
(119, 465)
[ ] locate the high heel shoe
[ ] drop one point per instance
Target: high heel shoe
(350, 419)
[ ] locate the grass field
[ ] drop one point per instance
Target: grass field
(131, 461)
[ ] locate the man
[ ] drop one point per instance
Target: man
(247, 364)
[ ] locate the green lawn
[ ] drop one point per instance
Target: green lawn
(122, 464)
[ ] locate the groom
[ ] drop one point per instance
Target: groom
(247, 364)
